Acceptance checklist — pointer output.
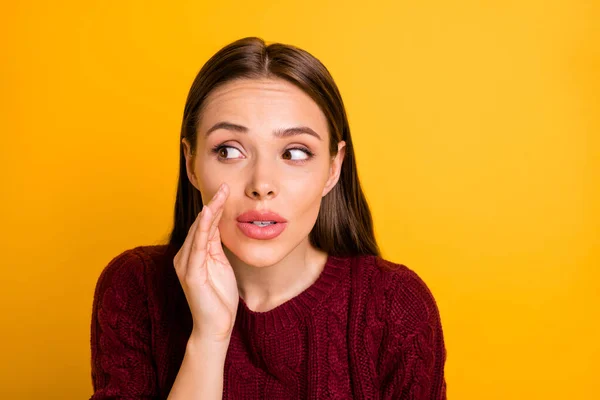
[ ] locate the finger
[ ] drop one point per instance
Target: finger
(181, 259)
(216, 249)
(219, 205)
(199, 246)
(215, 228)
(186, 247)
(214, 224)
(218, 215)
(214, 202)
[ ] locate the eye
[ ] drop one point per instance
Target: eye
(300, 151)
(222, 151)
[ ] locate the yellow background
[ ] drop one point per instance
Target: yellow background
(476, 127)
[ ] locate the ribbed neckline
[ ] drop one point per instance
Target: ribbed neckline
(297, 308)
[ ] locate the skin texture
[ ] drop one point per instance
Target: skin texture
(263, 172)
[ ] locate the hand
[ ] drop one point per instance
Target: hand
(206, 276)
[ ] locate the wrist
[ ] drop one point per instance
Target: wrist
(197, 343)
(202, 337)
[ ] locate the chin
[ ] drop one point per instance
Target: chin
(254, 252)
(258, 255)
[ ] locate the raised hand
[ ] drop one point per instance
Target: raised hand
(206, 276)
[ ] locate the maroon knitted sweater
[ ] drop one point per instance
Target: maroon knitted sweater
(367, 328)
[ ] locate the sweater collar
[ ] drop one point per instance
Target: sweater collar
(297, 308)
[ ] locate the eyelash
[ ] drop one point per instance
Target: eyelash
(310, 154)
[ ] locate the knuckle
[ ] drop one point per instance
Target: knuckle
(190, 280)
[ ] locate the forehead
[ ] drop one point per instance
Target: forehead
(260, 101)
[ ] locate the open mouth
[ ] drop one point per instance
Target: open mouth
(263, 223)
(262, 230)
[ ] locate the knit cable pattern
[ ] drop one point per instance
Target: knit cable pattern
(122, 365)
(366, 329)
(413, 353)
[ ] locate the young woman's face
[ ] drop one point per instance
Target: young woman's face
(286, 174)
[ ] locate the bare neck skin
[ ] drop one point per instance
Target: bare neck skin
(268, 287)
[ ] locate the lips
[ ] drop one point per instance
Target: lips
(268, 231)
(260, 215)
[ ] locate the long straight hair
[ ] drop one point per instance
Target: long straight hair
(344, 225)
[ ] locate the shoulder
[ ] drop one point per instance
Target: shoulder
(410, 292)
(409, 349)
(406, 297)
(129, 269)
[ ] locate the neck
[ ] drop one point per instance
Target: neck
(264, 288)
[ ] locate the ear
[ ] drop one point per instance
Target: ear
(189, 162)
(335, 168)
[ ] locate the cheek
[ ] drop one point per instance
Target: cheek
(303, 197)
(311, 178)
(209, 180)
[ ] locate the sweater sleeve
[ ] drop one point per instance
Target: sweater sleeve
(412, 364)
(122, 363)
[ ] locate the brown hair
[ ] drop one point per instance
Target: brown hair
(344, 225)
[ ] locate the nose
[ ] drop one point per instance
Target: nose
(261, 194)
(261, 185)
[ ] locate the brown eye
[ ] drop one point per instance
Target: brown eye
(223, 151)
(301, 152)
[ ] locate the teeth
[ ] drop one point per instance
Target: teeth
(263, 223)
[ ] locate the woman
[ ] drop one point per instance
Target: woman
(272, 284)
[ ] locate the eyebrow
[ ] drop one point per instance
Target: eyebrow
(279, 133)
